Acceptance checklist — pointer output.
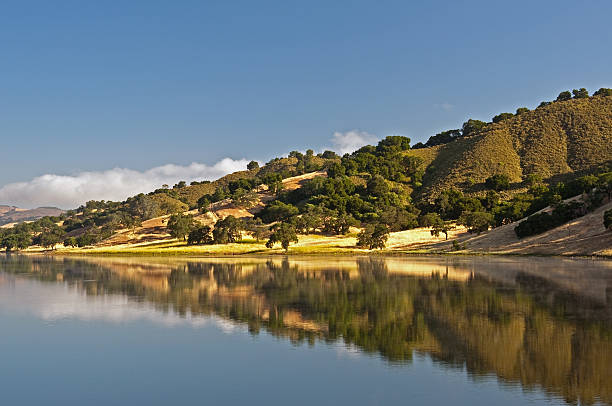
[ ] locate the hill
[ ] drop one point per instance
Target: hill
(482, 176)
(553, 141)
(12, 214)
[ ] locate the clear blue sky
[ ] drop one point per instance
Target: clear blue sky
(94, 85)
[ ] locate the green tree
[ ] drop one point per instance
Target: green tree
(603, 92)
(476, 222)
(277, 211)
(563, 96)
(394, 143)
(581, 93)
(436, 223)
(50, 233)
(443, 227)
(377, 186)
(253, 165)
(70, 242)
(49, 239)
(533, 179)
(228, 230)
(283, 233)
(498, 182)
(521, 110)
(180, 225)
(502, 116)
(86, 240)
(203, 204)
(256, 228)
(143, 207)
(472, 127)
(200, 235)
(19, 240)
(373, 236)
(327, 154)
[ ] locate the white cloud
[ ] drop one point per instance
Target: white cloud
(347, 142)
(70, 191)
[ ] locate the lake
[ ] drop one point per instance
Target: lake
(305, 331)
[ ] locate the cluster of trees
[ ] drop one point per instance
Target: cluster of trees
(540, 222)
(241, 191)
(581, 93)
(89, 224)
(229, 230)
(44, 232)
(469, 128)
(472, 127)
(345, 198)
(597, 189)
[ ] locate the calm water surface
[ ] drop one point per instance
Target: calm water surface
(304, 331)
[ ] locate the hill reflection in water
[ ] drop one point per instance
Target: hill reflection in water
(538, 322)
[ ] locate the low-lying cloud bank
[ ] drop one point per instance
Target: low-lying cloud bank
(350, 141)
(71, 191)
(117, 184)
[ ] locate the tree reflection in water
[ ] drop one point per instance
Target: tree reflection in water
(521, 326)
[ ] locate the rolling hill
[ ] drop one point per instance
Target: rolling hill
(392, 184)
(12, 214)
(554, 141)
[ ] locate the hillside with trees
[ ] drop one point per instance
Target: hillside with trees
(553, 141)
(482, 176)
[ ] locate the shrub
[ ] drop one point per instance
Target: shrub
(502, 116)
(498, 182)
(521, 110)
(603, 92)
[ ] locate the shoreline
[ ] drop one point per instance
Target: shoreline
(299, 253)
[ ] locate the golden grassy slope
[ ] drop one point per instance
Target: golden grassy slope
(561, 138)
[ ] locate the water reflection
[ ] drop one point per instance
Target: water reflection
(540, 323)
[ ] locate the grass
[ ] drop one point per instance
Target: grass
(561, 138)
(308, 245)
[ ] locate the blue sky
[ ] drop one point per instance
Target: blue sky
(90, 86)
